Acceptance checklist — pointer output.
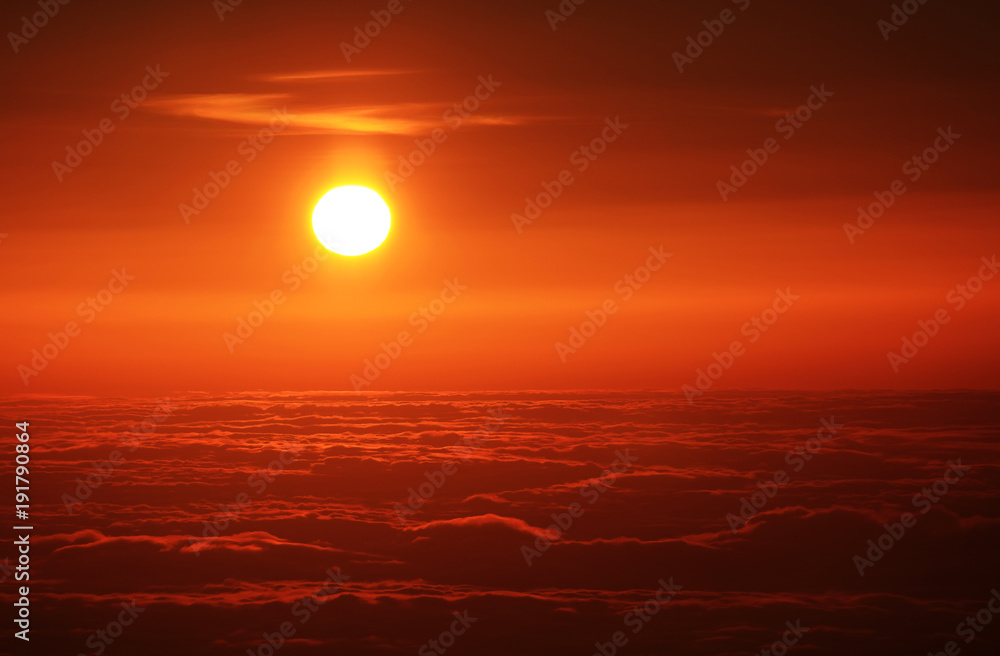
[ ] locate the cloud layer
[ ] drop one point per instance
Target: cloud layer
(219, 515)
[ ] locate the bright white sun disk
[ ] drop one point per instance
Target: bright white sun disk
(351, 220)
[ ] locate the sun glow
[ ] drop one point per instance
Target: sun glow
(351, 220)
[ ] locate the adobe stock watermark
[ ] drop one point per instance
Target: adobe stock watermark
(303, 610)
(30, 26)
(970, 628)
(796, 459)
(958, 296)
(591, 493)
(421, 320)
(455, 116)
(437, 477)
(133, 439)
(292, 277)
(258, 483)
(754, 328)
(562, 12)
(87, 310)
(363, 35)
(122, 107)
(898, 17)
(913, 169)
(249, 148)
(447, 638)
(580, 159)
(791, 637)
(922, 501)
(785, 126)
(223, 7)
(625, 287)
(22, 607)
(714, 28)
(99, 641)
(637, 618)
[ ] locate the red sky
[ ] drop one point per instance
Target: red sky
(655, 185)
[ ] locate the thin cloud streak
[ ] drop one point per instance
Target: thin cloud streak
(258, 109)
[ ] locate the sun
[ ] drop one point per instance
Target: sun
(351, 220)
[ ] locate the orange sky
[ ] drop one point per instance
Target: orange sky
(654, 186)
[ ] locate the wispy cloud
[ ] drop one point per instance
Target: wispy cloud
(257, 109)
(329, 75)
